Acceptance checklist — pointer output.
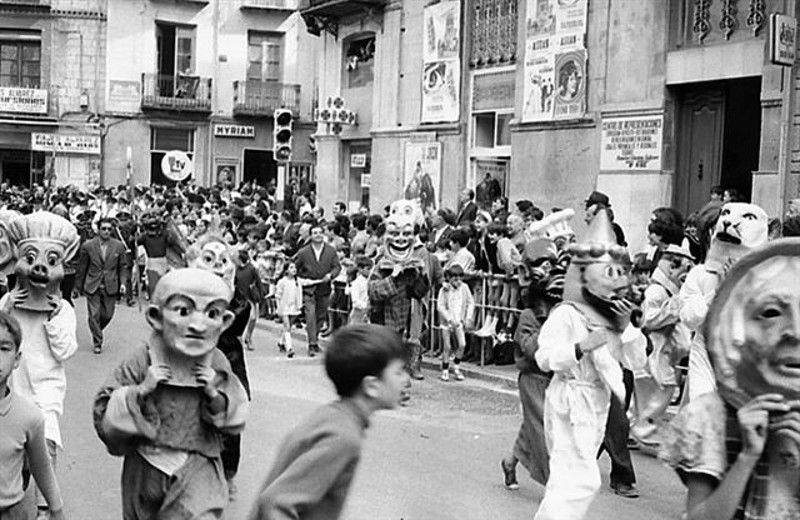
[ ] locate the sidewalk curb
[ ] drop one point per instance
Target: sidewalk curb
(428, 363)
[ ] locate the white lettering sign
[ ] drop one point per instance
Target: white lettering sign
(82, 144)
(632, 143)
(23, 100)
(176, 165)
(234, 131)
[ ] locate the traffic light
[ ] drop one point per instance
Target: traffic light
(282, 135)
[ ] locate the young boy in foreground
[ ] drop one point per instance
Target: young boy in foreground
(21, 435)
(315, 464)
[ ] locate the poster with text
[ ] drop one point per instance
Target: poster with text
(554, 73)
(441, 68)
(422, 173)
(632, 143)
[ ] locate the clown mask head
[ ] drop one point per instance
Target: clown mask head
(753, 330)
(400, 230)
(189, 312)
(212, 253)
(43, 242)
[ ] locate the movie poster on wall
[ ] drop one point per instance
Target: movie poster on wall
(555, 60)
(422, 173)
(441, 68)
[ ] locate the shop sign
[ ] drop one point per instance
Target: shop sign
(632, 143)
(493, 91)
(82, 144)
(358, 160)
(366, 179)
(234, 131)
(176, 165)
(123, 96)
(23, 100)
(782, 39)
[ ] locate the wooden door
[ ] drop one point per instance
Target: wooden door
(700, 134)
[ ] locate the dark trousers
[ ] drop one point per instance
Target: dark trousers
(316, 310)
(101, 309)
(67, 285)
(231, 454)
(615, 441)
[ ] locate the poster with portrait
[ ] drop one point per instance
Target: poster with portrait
(225, 170)
(422, 167)
(555, 60)
(490, 181)
(570, 96)
(441, 67)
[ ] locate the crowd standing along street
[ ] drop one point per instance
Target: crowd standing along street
(320, 259)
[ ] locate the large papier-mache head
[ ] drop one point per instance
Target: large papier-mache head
(188, 313)
(598, 274)
(752, 328)
(401, 225)
(740, 228)
(212, 253)
(42, 242)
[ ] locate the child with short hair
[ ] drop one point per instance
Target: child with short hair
(289, 302)
(455, 305)
(21, 436)
(315, 465)
(359, 297)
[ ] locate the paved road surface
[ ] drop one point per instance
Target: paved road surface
(437, 459)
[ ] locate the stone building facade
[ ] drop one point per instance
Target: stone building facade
(653, 102)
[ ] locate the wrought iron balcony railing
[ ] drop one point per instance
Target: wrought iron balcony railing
(176, 92)
(261, 98)
(324, 15)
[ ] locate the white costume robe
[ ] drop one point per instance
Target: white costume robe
(696, 294)
(576, 408)
(41, 377)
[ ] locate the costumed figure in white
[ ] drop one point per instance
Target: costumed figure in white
(583, 342)
(41, 243)
(402, 278)
(670, 340)
(737, 448)
(740, 228)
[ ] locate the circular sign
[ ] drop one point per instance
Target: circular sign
(176, 165)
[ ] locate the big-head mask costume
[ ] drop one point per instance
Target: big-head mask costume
(43, 242)
(597, 283)
(752, 335)
(188, 313)
(401, 236)
(212, 253)
(740, 228)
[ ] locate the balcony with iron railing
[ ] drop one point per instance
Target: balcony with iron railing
(280, 5)
(176, 92)
(325, 15)
(261, 98)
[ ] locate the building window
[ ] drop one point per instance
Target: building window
(20, 64)
(175, 46)
(163, 140)
(264, 56)
(493, 34)
(491, 129)
(359, 61)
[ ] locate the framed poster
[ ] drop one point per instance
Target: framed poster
(226, 170)
(490, 181)
(422, 174)
(441, 67)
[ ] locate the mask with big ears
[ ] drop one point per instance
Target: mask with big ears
(189, 312)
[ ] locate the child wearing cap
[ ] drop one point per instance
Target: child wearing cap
(455, 305)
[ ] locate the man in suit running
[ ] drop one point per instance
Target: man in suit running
(317, 264)
(102, 277)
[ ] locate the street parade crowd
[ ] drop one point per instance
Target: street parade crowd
(688, 350)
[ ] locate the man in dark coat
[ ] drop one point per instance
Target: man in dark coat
(317, 264)
(102, 276)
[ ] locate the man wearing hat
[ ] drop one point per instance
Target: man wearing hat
(597, 201)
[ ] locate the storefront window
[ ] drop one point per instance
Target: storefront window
(163, 140)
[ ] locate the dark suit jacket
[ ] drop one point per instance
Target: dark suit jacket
(93, 269)
(467, 214)
(443, 244)
(309, 267)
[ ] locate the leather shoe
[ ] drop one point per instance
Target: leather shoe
(625, 490)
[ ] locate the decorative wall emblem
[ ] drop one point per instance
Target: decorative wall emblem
(756, 16)
(701, 25)
(728, 23)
